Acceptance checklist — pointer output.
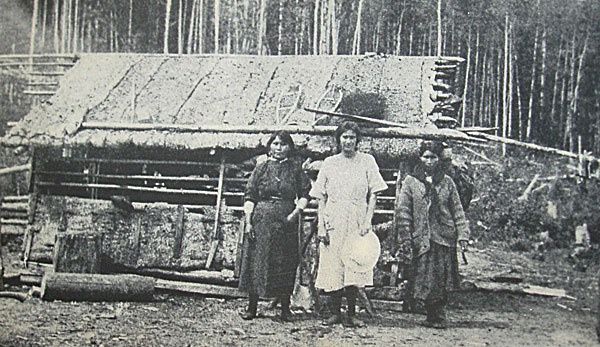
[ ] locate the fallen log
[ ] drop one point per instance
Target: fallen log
(199, 288)
(528, 289)
(14, 295)
(387, 305)
(96, 287)
(196, 276)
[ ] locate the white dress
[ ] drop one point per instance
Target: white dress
(345, 185)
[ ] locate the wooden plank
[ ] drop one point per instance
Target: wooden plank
(388, 305)
(16, 198)
(15, 206)
(215, 234)
(144, 177)
(358, 118)
(14, 169)
(13, 221)
(39, 92)
(199, 288)
(179, 231)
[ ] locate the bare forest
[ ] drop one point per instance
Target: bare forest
(530, 65)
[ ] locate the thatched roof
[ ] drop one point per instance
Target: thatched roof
(225, 90)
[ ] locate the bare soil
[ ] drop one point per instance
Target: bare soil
(477, 318)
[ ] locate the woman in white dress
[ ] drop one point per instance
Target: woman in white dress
(347, 188)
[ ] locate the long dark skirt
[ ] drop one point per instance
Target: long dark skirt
(434, 274)
(269, 261)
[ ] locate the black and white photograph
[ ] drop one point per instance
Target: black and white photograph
(299, 173)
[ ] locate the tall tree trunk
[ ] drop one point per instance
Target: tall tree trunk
(180, 27)
(69, 24)
(334, 27)
(262, 26)
(316, 28)
(483, 85)
(505, 81)
(519, 102)
(410, 40)
(130, 26)
(555, 87)
(200, 27)
(192, 29)
(167, 25)
(568, 138)
(358, 29)
(542, 111)
(499, 92)
(563, 95)
(398, 50)
(75, 27)
(63, 26)
(510, 83)
(44, 20)
(573, 107)
(475, 79)
(34, 19)
(467, 73)
(56, 30)
(532, 87)
(217, 23)
(280, 27)
(439, 33)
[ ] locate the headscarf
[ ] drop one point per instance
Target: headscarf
(437, 175)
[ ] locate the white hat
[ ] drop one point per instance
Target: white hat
(361, 253)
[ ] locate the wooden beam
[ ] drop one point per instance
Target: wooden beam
(532, 146)
(388, 132)
(14, 169)
(215, 233)
(136, 188)
(199, 288)
(358, 118)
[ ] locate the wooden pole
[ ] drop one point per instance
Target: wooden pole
(34, 16)
(215, 233)
(533, 146)
(388, 132)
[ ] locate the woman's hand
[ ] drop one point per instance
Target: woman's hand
(292, 217)
(324, 239)
(249, 231)
(365, 228)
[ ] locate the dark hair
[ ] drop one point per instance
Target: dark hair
(285, 138)
(347, 126)
(435, 147)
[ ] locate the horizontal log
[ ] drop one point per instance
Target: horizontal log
(358, 118)
(135, 188)
(26, 63)
(199, 288)
(39, 56)
(13, 221)
(196, 276)
(30, 279)
(53, 73)
(14, 295)
(143, 177)
(96, 287)
(15, 206)
(391, 132)
(15, 198)
(39, 92)
(14, 169)
(533, 146)
(14, 214)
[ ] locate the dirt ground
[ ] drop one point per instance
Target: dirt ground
(477, 318)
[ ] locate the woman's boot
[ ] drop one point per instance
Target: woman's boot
(286, 314)
(252, 307)
(351, 295)
(335, 304)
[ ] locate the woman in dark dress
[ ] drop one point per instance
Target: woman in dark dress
(276, 194)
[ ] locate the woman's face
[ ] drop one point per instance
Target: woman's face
(348, 141)
(429, 160)
(279, 150)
